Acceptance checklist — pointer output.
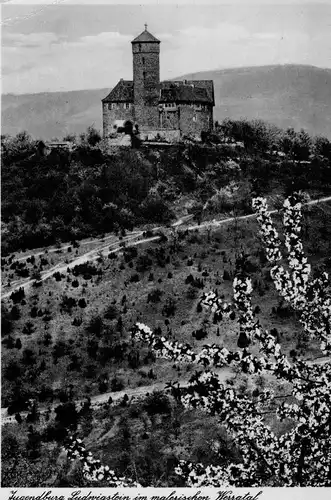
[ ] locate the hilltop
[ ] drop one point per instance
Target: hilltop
(295, 96)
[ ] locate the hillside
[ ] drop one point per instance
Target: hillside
(69, 339)
(69, 360)
(288, 96)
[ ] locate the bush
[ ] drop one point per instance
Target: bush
(15, 313)
(169, 307)
(155, 296)
(111, 312)
(28, 328)
(157, 403)
(155, 209)
(93, 136)
(82, 303)
(200, 334)
(95, 326)
(67, 303)
(129, 253)
(17, 296)
(117, 384)
(144, 263)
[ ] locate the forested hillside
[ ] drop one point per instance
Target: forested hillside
(66, 196)
(71, 362)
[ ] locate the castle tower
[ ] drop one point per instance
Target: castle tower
(146, 80)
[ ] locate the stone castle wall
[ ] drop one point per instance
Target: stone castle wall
(147, 117)
(164, 135)
(144, 111)
(169, 120)
(111, 115)
(192, 121)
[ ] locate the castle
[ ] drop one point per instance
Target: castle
(169, 109)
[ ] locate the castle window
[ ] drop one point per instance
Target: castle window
(113, 105)
(143, 60)
(127, 105)
(144, 75)
(139, 47)
(170, 105)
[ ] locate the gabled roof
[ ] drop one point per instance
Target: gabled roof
(199, 91)
(122, 92)
(186, 92)
(145, 36)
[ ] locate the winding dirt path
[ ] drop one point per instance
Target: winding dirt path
(130, 240)
(135, 394)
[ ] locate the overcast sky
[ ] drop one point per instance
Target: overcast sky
(72, 45)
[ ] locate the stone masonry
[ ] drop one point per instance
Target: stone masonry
(150, 105)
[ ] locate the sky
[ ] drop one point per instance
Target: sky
(68, 45)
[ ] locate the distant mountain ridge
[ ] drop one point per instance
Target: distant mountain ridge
(287, 95)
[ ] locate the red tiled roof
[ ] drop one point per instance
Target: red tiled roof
(122, 92)
(145, 36)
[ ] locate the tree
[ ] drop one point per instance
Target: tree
(12, 371)
(66, 415)
(15, 313)
(322, 147)
(93, 136)
(29, 357)
(301, 455)
(28, 327)
(297, 456)
(6, 321)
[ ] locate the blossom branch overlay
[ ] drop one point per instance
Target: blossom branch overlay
(302, 455)
(93, 470)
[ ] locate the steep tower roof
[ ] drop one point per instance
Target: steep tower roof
(145, 36)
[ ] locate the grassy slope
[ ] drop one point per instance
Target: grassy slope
(127, 437)
(114, 283)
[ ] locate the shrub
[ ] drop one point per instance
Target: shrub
(226, 275)
(82, 303)
(111, 312)
(28, 328)
(144, 263)
(15, 313)
(155, 209)
(169, 307)
(17, 296)
(95, 326)
(154, 296)
(117, 384)
(200, 334)
(156, 403)
(129, 253)
(67, 303)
